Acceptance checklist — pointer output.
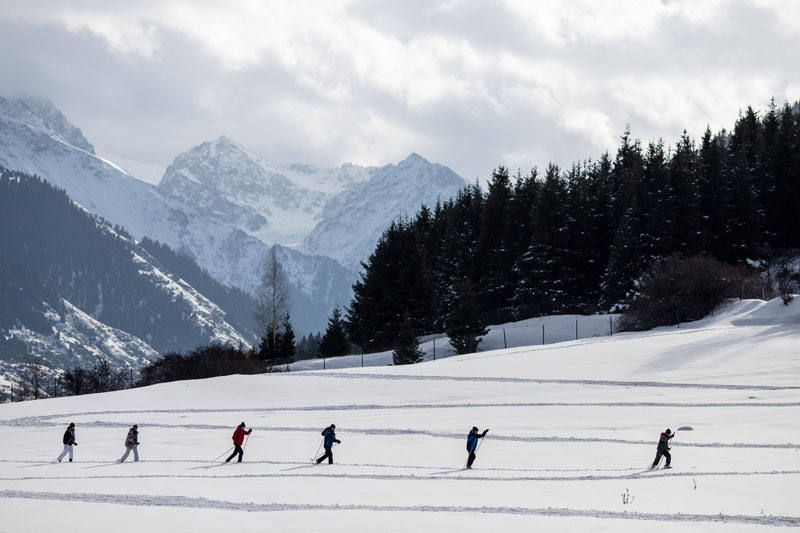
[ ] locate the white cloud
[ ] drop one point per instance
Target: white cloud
(470, 84)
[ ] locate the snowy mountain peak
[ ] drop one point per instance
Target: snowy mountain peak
(353, 220)
(413, 158)
(42, 114)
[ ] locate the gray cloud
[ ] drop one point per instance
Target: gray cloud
(472, 85)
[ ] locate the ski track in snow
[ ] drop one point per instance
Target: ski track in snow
(207, 503)
(34, 420)
(441, 476)
(541, 381)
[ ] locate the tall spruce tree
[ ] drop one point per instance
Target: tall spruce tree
(407, 351)
(286, 346)
(494, 260)
(463, 223)
(396, 269)
(334, 342)
(540, 268)
(684, 170)
(464, 325)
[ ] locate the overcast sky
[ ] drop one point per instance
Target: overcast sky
(469, 84)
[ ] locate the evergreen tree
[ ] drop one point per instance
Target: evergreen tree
(684, 203)
(463, 223)
(744, 217)
(626, 256)
(286, 346)
(624, 265)
(494, 260)
(268, 346)
(711, 189)
(396, 279)
(334, 342)
(407, 351)
(540, 268)
(653, 213)
(464, 324)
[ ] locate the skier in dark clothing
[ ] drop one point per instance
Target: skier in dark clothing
(132, 444)
(330, 437)
(472, 444)
(69, 442)
(238, 439)
(663, 449)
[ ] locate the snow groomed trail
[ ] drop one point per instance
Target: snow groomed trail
(572, 428)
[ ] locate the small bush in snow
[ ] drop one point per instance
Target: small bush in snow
(680, 289)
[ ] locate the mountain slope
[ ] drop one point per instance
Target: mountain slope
(68, 271)
(28, 144)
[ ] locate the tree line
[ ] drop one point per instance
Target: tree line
(579, 239)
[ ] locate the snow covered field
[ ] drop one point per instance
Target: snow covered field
(573, 426)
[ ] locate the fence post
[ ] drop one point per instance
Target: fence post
(131, 377)
(434, 349)
(576, 329)
(505, 344)
(362, 357)
(542, 334)
(610, 327)
(323, 363)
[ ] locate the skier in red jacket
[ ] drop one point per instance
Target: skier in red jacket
(238, 439)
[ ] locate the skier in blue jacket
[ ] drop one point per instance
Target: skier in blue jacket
(330, 437)
(472, 444)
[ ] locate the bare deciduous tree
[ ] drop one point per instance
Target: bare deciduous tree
(32, 379)
(273, 297)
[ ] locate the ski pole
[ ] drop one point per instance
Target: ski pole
(480, 443)
(220, 455)
(318, 449)
(247, 438)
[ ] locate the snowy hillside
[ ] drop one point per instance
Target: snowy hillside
(353, 221)
(75, 290)
(29, 143)
(572, 429)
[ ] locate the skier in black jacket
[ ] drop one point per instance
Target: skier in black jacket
(663, 449)
(69, 442)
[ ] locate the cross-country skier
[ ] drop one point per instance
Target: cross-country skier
(238, 439)
(69, 442)
(330, 437)
(472, 444)
(132, 443)
(663, 449)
